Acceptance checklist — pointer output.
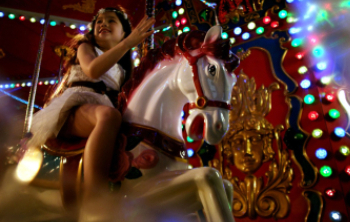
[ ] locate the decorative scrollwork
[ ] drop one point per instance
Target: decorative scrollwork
(2, 54)
(86, 6)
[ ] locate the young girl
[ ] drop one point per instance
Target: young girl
(101, 64)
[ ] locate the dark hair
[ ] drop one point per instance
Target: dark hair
(89, 38)
(71, 51)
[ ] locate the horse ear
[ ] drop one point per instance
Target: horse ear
(213, 34)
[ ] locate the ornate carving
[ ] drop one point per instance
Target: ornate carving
(247, 145)
(243, 54)
(86, 6)
(2, 54)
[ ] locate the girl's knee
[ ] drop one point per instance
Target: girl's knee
(108, 115)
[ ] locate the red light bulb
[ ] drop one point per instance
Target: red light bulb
(177, 23)
(347, 170)
(330, 192)
(313, 115)
(17, 85)
(22, 18)
(183, 21)
(274, 24)
(299, 55)
(266, 20)
(40, 83)
(330, 97)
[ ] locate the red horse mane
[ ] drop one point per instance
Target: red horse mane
(185, 42)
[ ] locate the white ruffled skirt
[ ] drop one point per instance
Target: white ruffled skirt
(48, 122)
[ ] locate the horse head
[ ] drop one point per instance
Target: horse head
(206, 79)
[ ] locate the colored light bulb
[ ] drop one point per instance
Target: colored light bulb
(302, 70)
(275, 24)
(298, 136)
(232, 40)
(72, 26)
(317, 133)
(309, 99)
(334, 114)
(347, 170)
(318, 51)
(2, 14)
(335, 216)
(177, 23)
(326, 171)
(321, 153)
(40, 83)
(260, 30)
(174, 14)
(224, 35)
(296, 42)
(313, 115)
(339, 132)
(179, 32)
(186, 29)
(237, 31)
(305, 84)
(183, 21)
(325, 80)
(266, 20)
(181, 11)
(282, 14)
(190, 152)
(189, 139)
(53, 23)
(32, 20)
(42, 21)
(12, 16)
(299, 55)
(251, 25)
(82, 28)
(330, 97)
(321, 66)
(245, 36)
(178, 2)
(344, 150)
(22, 18)
(330, 192)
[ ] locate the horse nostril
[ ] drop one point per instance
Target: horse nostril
(218, 126)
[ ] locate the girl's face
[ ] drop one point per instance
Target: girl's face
(108, 30)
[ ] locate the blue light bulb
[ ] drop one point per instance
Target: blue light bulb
(335, 216)
(321, 65)
(245, 36)
(339, 132)
(82, 28)
(321, 153)
(178, 2)
(42, 21)
(237, 30)
(305, 84)
(190, 152)
(1, 14)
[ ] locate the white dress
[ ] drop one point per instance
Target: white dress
(48, 122)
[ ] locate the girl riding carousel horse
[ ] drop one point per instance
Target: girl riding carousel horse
(99, 66)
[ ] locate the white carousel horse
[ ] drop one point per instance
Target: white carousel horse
(190, 69)
(190, 73)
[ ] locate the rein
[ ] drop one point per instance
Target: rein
(202, 101)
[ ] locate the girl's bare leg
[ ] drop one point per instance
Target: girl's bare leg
(100, 124)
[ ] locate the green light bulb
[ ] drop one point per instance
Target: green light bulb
(326, 171)
(334, 113)
(224, 35)
(174, 15)
(53, 23)
(189, 139)
(344, 150)
(282, 14)
(297, 42)
(309, 99)
(12, 16)
(260, 30)
(318, 51)
(186, 29)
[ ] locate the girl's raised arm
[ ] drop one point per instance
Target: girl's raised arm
(94, 66)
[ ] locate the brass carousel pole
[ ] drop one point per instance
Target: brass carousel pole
(149, 42)
(32, 92)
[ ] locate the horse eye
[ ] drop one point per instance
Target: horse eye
(212, 69)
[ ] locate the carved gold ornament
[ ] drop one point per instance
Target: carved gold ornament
(247, 145)
(86, 6)
(2, 54)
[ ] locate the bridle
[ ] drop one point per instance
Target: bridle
(201, 101)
